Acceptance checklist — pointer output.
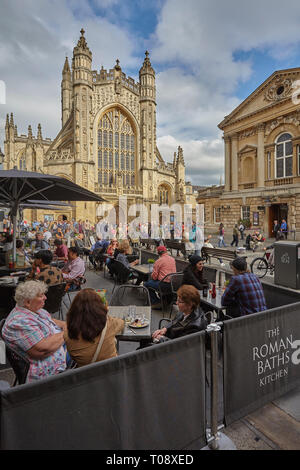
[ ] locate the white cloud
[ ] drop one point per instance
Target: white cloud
(33, 44)
(203, 158)
(203, 38)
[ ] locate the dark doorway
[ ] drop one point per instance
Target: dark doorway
(277, 212)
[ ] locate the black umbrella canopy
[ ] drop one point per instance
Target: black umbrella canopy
(18, 186)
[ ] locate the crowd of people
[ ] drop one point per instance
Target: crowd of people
(89, 332)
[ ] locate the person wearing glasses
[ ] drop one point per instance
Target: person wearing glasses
(190, 318)
(193, 273)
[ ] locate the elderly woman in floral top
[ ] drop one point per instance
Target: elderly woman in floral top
(30, 330)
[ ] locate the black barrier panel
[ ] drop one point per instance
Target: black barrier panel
(149, 399)
(261, 359)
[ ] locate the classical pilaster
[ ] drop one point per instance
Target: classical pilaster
(261, 156)
(234, 161)
(227, 162)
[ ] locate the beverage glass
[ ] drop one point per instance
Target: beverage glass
(132, 311)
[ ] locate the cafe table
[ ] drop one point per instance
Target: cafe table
(129, 333)
(143, 270)
(214, 304)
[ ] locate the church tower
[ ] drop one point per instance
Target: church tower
(66, 93)
(148, 125)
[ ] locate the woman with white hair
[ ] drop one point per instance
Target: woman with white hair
(30, 330)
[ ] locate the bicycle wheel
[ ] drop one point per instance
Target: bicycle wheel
(259, 266)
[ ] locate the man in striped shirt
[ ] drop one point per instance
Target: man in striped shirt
(163, 266)
(244, 294)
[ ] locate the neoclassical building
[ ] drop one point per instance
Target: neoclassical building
(262, 159)
(107, 142)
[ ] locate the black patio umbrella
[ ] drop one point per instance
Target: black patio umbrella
(18, 187)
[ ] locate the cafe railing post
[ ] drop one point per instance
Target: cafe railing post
(215, 439)
(213, 329)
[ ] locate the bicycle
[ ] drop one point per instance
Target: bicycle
(260, 266)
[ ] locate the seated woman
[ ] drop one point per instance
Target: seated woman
(112, 247)
(30, 330)
(42, 269)
(88, 324)
(124, 250)
(193, 273)
(190, 318)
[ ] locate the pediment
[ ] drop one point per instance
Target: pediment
(247, 149)
(278, 88)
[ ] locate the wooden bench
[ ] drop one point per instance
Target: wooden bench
(179, 246)
(209, 253)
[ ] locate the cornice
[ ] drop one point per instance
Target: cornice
(228, 120)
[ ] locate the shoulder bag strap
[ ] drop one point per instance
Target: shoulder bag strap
(101, 339)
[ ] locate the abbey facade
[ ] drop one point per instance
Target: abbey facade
(107, 142)
(262, 160)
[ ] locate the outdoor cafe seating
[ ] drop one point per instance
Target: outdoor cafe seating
(19, 363)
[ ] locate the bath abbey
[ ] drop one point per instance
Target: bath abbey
(107, 141)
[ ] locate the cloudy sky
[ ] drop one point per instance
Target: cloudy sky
(209, 55)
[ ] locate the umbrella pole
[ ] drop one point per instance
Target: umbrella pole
(14, 221)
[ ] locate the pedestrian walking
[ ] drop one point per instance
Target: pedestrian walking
(241, 230)
(221, 235)
(276, 228)
(235, 236)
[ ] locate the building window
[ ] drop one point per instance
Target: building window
(163, 194)
(245, 212)
(298, 159)
(22, 162)
(217, 215)
(284, 156)
(115, 133)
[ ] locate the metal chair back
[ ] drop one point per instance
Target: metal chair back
(19, 364)
(129, 294)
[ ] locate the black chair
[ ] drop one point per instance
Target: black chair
(129, 294)
(7, 301)
(55, 295)
(19, 364)
(121, 274)
(168, 290)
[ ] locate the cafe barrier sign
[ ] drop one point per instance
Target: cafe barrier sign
(261, 359)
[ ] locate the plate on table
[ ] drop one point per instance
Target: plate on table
(138, 324)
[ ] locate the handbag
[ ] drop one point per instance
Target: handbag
(101, 339)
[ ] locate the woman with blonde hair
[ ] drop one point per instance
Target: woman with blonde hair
(31, 332)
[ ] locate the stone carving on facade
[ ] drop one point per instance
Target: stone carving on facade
(280, 88)
(248, 133)
(292, 119)
(101, 97)
(62, 155)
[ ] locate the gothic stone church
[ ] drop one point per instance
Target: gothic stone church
(107, 142)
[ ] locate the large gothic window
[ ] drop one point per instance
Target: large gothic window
(284, 156)
(163, 194)
(116, 149)
(22, 161)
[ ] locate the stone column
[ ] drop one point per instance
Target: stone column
(234, 162)
(227, 162)
(261, 156)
